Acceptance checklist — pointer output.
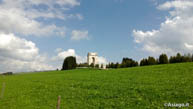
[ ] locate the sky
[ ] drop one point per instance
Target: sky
(38, 34)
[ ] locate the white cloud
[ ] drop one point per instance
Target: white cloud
(18, 55)
(61, 55)
(78, 16)
(176, 4)
(26, 18)
(189, 46)
(78, 35)
(20, 16)
(67, 2)
(64, 54)
(17, 48)
(175, 33)
(13, 21)
(58, 50)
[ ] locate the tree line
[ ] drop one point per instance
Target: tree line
(70, 62)
(163, 59)
(126, 62)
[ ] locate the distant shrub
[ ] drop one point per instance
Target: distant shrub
(69, 63)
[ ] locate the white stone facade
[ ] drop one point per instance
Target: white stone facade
(92, 58)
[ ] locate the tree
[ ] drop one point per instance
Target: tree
(185, 59)
(128, 62)
(143, 62)
(163, 59)
(111, 65)
(151, 61)
(117, 65)
(172, 59)
(69, 63)
(178, 58)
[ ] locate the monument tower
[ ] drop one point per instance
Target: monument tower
(92, 58)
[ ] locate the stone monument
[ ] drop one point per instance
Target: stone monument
(92, 58)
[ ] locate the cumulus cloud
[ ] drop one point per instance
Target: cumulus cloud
(62, 54)
(58, 50)
(29, 18)
(17, 54)
(78, 35)
(175, 33)
(21, 16)
(177, 4)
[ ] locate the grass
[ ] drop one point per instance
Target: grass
(140, 87)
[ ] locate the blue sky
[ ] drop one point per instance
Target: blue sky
(110, 24)
(38, 35)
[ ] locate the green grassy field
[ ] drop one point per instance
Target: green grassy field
(140, 87)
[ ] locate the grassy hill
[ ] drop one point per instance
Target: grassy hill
(140, 87)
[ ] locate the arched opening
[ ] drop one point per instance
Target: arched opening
(93, 60)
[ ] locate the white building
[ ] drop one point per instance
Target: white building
(92, 58)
